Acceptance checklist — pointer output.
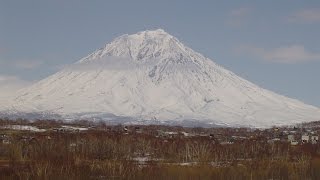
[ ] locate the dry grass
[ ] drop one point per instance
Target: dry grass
(110, 155)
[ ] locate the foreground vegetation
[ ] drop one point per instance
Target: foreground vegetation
(117, 152)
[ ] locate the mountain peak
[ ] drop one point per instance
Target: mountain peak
(155, 32)
(144, 45)
(158, 36)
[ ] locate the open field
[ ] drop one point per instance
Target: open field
(86, 150)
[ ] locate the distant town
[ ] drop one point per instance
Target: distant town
(294, 135)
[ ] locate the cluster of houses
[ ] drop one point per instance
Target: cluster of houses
(302, 139)
(230, 136)
(223, 136)
(7, 138)
(295, 136)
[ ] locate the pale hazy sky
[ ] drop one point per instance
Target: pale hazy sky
(275, 44)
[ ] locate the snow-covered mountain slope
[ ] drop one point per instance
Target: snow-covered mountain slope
(152, 76)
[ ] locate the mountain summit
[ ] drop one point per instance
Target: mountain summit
(144, 46)
(151, 78)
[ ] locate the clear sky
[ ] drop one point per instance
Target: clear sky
(275, 44)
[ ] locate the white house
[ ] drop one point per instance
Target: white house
(305, 138)
(314, 139)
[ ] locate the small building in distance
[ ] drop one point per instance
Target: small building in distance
(305, 138)
(314, 139)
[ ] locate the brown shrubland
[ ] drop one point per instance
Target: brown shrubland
(104, 153)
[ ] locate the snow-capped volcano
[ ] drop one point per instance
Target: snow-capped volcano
(152, 77)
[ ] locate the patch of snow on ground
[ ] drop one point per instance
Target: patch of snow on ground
(75, 128)
(23, 128)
